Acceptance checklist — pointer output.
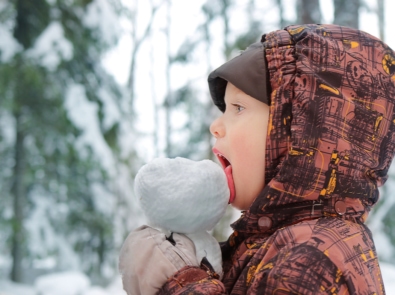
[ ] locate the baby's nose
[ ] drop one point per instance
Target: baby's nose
(217, 128)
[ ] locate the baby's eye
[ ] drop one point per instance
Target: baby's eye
(238, 107)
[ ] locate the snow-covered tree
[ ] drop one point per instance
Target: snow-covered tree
(61, 117)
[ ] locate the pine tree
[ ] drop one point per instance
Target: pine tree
(61, 169)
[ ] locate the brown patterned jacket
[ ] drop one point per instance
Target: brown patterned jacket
(329, 146)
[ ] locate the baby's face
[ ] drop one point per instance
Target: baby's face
(240, 134)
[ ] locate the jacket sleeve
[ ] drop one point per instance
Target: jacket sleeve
(192, 280)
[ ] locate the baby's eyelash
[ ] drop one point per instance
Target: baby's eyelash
(238, 107)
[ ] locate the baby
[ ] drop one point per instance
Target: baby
(305, 139)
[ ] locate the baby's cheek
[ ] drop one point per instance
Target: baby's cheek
(242, 143)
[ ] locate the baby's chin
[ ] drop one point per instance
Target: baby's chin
(239, 205)
(244, 200)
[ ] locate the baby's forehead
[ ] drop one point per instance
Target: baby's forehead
(236, 95)
(232, 90)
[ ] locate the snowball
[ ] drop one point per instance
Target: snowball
(182, 195)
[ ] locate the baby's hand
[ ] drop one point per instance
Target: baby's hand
(148, 259)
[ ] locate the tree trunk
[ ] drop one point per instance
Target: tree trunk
(225, 18)
(137, 41)
(131, 80)
(346, 13)
(169, 96)
(18, 194)
(381, 18)
(281, 13)
(154, 103)
(308, 11)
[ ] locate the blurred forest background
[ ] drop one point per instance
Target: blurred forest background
(90, 90)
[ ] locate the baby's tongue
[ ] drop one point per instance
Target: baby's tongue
(231, 184)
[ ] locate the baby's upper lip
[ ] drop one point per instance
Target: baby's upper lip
(222, 159)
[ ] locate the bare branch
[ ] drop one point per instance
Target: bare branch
(137, 41)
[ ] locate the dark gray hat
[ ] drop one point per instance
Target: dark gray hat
(247, 71)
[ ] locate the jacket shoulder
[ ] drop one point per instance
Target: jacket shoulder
(317, 257)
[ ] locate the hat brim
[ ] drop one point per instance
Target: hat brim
(247, 71)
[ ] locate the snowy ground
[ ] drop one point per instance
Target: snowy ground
(76, 283)
(388, 271)
(66, 283)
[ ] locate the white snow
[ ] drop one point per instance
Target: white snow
(95, 291)
(115, 288)
(111, 110)
(181, 195)
(384, 248)
(388, 272)
(184, 196)
(3, 4)
(8, 45)
(100, 14)
(10, 288)
(7, 127)
(375, 223)
(67, 283)
(42, 238)
(51, 47)
(84, 114)
(103, 198)
(62, 283)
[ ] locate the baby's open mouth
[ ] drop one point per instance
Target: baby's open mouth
(224, 161)
(226, 165)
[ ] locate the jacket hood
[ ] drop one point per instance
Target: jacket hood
(330, 139)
